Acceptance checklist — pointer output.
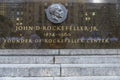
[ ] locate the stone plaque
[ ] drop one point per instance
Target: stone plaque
(59, 24)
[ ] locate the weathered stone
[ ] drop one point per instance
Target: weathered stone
(13, 72)
(87, 51)
(75, 51)
(90, 70)
(26, 78)
(26, 59)
(46, 71)
(87, 59)
(89, 78)
(109, 71)
(29, 70)
(118, 51)
(104, 51)
(63, 78)
(29, 52)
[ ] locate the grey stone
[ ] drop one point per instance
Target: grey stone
(107, 71)
(29, 70)
(88, 51)
(104, 51)
(75, 51)
(56, 52)
(89, 78)
(13, 72)
(77, 72)
(28, 52)
(87, 59)
(118, 51)
(90, 70)
(28, 65)
(44, 60)
(63, 78)
(26, 59)
(26, 78)
(45, 72)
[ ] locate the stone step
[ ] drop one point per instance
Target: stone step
(87, 59)
(77, 52)
(58, 70)
(89, 78)
(68, 70)
(63, 78)
(26, 78)
(29, 70)
(26, 59)
(28, 52)
(60, 59)
(54, 52)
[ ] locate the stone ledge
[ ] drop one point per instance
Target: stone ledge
(77, 70)
(27, 65)
(119, 51)
(29, 70)
(63, 78)
(55, 52)
(89, 65)
(88, 52)
(87, 59)
(105, 51)
(32, 52)
(26, 78)
(89, 78)
(26, 60)
(74, 51)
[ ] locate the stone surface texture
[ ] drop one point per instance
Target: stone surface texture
(60, 64)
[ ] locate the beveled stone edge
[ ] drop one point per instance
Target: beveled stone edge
(57, 52)
(28, 52)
